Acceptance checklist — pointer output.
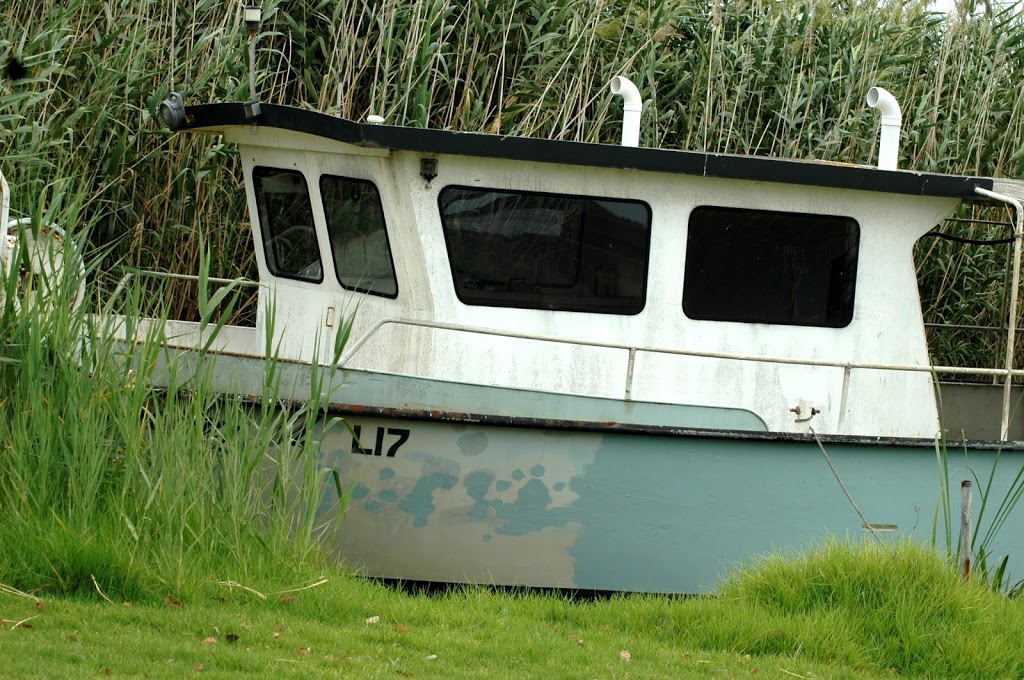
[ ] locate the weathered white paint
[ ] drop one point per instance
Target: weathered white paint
(45, 251)
(886, 326)
(1014, 188)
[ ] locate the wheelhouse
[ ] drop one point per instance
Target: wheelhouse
(782, 288)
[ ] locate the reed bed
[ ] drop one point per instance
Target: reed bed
(782, 79)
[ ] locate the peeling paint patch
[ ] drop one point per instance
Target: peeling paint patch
(477, 485)
(387, 473)
(518, 475)
(529, 512)
(503, 485)
(537, 471)
(388, 496)
(420, 501)
(472, 443)
(360, 492)
(372, 506)
(487, 538)
(558, 486)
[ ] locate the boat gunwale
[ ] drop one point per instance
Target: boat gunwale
(335, 408)
(216, 117)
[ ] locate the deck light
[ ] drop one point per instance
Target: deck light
(252, 110)
(428, 168)
(253, 16)
(172, 111)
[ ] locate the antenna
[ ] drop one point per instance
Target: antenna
(172, 109)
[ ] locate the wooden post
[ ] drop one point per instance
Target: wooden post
(965, 529)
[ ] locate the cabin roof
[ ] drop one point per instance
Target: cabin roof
(215, 117)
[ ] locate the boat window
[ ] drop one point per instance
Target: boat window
(547, 251)
(359, 241)
(286, 221)
(758, 266)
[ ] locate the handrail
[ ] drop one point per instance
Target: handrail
(249, 283)
(955, 370)
(1011, 332)
(119, 288)
(964, 327)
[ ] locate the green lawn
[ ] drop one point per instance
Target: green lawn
(838, 611)
(330, 631)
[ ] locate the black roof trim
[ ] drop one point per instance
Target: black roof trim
(752, 168)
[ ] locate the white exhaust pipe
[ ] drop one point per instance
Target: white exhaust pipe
(631, 107)
(892, 119)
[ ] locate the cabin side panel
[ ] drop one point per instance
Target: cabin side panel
(885, 327)
(511, 333)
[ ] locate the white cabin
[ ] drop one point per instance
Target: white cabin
(784, 288)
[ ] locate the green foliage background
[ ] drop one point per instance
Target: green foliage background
(78, 135)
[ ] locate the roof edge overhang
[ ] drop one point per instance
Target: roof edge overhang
(215, 118)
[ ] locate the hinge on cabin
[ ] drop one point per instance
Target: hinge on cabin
(330, 317)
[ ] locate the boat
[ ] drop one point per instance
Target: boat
(603, 367)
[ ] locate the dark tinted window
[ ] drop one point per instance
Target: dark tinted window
(770, 267)
(359, 241)
(545, 251)
(286, 221)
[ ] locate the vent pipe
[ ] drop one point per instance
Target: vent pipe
(631, 107)
(892, 119)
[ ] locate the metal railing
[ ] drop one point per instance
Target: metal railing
(123, 282)
(847, 366)
(1011, 331)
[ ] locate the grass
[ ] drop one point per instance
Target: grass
(840, 611)
(106, 483)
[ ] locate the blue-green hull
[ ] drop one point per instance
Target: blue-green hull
(590, 510)
(465, 483)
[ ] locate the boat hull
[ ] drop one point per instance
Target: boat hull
(462, 483)
(475, 503)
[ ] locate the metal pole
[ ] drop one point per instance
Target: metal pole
(965, 529)
(5, 213)
(629, 372)
(252, 66)
(1011, 331)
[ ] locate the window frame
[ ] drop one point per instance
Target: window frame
(265, 226)
(646, 268)
(387, 236)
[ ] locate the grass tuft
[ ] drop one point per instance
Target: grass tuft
(898, 606)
